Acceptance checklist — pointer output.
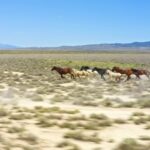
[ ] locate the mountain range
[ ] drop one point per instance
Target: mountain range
(95, 47)
(7, 46)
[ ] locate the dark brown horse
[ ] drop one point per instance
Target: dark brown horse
(63, 71)
(127, 72)
(139, 72)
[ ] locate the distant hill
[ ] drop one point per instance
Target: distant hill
(138, 46)
(7, 46)
(113, 46)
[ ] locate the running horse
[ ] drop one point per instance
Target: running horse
(63, 71)
(139, 72)
(115, 75)
(127, 72)
(100, 71)
(85, 68)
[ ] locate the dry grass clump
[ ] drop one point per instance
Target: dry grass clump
(79, 122)
(54, 116)
(107, 103)
(90, 125)
(127, 104)
(111, 141)
(5, 121)
(138, 114)
(15, 129)
(147, 126)
(3, 112)
(28, 147)
(2, 139)
(44, 122)
(21, 116)
(139, 118)
(97, 148)
(37, 98)
(24, 110)
(98, 116)
(86, 125)
(75, 111)
(131, 144)
(77, 118)
(10, 144)
(144, 138)
(41, 90)
(144, 103)
(119, 121)
(69, 125)
(69, 145)
(28, 137)
(39, 109)
(86, 102)
(105, 123)
(59, 98)
(79, 135)
(2, 86)
(100, 120)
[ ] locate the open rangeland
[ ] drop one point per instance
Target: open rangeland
(41, 111)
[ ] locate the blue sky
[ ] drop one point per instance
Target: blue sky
(73, 22)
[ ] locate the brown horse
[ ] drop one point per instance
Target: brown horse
(63, 71)
(128, 72)
(139, 72)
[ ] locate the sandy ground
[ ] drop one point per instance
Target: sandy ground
(66, 94)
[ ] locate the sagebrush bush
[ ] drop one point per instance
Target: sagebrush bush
(131, 144)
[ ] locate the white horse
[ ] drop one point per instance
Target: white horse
(92, 73)
(115, 75)
(79, 73)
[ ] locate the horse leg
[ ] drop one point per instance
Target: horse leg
(128, 77)
(118, 79)
(102, 76)
(138, 76)
(110, 77)
(147, 74)
(79, 76)
(62, 76)
(72, 76)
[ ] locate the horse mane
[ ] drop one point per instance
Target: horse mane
(117, 67)
(84, 68)
(135, 70)
(56, 67)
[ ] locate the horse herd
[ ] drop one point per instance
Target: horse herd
(115, 72)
